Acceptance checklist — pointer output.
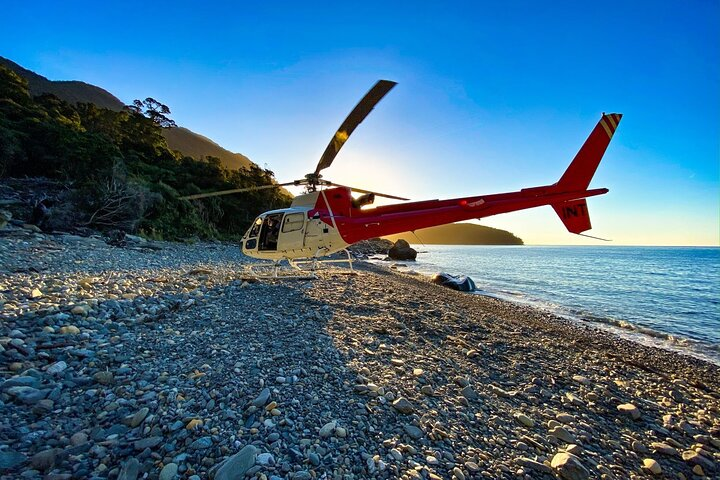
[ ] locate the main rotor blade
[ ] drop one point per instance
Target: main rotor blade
(239, 190)
(360, 190)
(361, 110)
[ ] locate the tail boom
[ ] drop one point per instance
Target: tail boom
(392, 219)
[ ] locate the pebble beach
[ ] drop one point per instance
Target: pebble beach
(160, 360)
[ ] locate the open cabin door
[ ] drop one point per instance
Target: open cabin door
(270, 232)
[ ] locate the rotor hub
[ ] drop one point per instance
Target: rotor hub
(313, 180)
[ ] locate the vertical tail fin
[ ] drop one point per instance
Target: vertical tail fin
(582, 168)
(574, 213)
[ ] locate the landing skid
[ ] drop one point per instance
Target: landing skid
(315, 263)
(299, 269)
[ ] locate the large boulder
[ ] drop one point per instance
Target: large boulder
(402, 251)
(460, 283)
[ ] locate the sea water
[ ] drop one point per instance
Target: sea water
(663, 296)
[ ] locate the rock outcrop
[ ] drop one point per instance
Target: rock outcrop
(402, 251)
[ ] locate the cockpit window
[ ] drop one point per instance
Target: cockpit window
(255, 229)
(293, 222)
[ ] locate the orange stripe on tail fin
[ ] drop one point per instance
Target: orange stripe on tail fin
(583, 167)
(574, 215)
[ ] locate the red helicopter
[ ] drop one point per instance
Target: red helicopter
(327, 220)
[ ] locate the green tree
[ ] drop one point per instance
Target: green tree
(154, 110)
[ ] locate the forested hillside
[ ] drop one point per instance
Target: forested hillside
(72, 91)
(189, 143)
(118, 169)
(197, 146)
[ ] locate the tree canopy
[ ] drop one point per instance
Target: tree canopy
(154, 110)
(119, 169)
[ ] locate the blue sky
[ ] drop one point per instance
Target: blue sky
(490, 97)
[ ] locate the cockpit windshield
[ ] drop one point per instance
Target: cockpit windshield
(254, 229)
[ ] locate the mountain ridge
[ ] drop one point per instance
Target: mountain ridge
(181, 139)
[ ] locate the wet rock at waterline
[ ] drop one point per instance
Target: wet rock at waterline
(459, 283)
(402, 250)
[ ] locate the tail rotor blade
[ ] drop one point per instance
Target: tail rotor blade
(361, 110)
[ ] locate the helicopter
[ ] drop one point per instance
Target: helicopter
(327, 218)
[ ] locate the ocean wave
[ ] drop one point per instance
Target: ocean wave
(699, 349)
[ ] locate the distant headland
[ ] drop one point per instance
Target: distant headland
(460, 234)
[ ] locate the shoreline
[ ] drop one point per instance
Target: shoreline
(576, 325)
(141, 360)
(690, 335)
(628, 331)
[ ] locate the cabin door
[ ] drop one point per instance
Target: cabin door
(270, 232)
(315, 234)
(291, 234)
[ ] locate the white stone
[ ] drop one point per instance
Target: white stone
(328, 429)
(57, 367)
(630, 410)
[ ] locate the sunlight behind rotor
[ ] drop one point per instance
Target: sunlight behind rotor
(314, 180)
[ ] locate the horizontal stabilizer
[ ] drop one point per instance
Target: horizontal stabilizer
(574, 215)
